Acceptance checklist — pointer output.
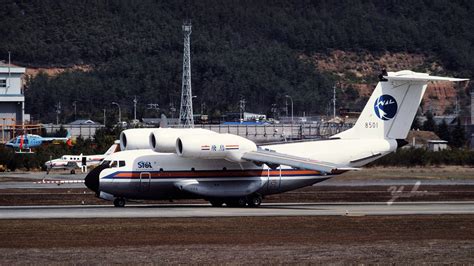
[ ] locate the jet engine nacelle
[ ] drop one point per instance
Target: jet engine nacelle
(217, 146)
(135, 139)
(164, 139)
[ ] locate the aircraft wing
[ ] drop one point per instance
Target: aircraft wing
(49, 139)
(272, 157)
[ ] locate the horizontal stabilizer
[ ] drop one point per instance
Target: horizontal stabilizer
(271, 157)
(407, 75)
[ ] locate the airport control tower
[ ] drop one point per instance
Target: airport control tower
(186, 109)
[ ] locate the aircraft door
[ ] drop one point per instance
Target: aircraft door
(274, 179)
(145, 179)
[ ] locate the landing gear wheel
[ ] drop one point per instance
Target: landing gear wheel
(216, 203)
(119, 202)
(73, 171)
(254, 201)
(240, 202)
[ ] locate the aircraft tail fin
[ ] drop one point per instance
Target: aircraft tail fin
(163, 121)
(392, 106)
(68, 139)
(112, 148)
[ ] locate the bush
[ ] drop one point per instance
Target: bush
(422, 157)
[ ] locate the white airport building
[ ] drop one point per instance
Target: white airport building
(12, 99)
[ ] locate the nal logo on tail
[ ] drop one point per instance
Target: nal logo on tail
(385, 107)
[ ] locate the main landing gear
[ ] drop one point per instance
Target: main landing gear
(250, 201)
(119, 202)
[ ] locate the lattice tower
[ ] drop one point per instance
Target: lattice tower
(186, 109)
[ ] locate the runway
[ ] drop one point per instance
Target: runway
(204, 210)
(74, 181)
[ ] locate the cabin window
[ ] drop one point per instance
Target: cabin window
(3, 83)
(192, 169)
(161, 169)
(121, 163)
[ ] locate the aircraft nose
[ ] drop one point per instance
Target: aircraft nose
(92, 179)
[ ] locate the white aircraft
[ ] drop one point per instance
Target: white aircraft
(77, 161)
(225, 168)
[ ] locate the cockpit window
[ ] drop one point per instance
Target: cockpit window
(121, 163)
(105, 163)
(114, 164)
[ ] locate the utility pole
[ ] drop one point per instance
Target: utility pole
(291, 99)
(186, 110)
(104, 117)
(58, 112)
(74, 104)
(135, 109)
(334, 101)
(9, 70)
(242, 103)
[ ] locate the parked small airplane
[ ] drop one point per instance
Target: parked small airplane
(77, 161)
(228, 169)
(24, 143)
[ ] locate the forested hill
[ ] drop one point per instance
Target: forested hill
(250, 49)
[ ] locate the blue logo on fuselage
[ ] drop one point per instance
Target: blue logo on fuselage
(143, 164)
(385, 107)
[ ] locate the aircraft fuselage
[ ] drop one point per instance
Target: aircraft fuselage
(145, 174)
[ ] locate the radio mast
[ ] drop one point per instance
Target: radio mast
(186, 109)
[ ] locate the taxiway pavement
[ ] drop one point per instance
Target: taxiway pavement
(204, 210)
(24, 180)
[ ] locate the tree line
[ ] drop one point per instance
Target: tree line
(240, 49)
(103, 139)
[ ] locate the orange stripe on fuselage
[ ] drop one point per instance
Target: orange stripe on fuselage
(226, 173)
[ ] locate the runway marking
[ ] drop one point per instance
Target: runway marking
(59, 182)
